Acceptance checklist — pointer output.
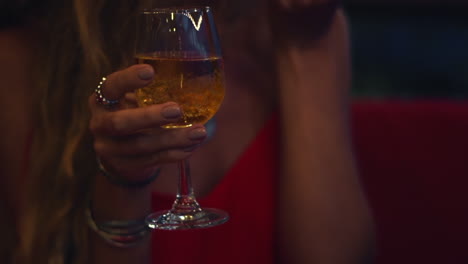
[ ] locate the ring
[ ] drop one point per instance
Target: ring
(100, 97)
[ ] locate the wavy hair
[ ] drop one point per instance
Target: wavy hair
(78, 42)
(73, 51)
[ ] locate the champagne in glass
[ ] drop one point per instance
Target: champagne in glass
(183, 47)
(197, 84)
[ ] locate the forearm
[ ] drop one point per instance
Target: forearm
(111, 202)
(323, 216)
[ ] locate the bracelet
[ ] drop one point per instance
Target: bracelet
(122, 234)
(126, 183)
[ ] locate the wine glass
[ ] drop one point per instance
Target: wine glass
(183, 47)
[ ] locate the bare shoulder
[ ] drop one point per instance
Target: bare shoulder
(15, 53)
(15, 84)
(12, 40)
(15, 45)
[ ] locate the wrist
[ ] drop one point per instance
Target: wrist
(119, 233)
(144, 178)
(111, 201)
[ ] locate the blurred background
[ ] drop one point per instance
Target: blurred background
(409, 49)
(410, 125)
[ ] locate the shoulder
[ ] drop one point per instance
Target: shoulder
(16, 49)
(16, 73)
(13, 42)
(15, 87)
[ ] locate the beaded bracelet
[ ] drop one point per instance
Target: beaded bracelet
(124, 182)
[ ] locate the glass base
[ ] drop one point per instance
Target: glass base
(173, 220)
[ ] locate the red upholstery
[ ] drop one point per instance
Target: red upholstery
(413, 158)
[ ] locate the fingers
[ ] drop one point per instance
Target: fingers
(143, 151)
(151, 142)
(132, 120)
(133, 167)
(121, 82)
(130, 139)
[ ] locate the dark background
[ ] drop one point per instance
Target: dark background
(409, 49)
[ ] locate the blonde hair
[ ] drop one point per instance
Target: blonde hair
(79, 42)
(73, 51)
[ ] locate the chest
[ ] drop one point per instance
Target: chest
(247, 193)
(237, 124)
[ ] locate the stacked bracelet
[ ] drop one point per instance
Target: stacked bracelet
(123, 234)
(126, 183)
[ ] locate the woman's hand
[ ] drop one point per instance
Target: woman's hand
(129, 140)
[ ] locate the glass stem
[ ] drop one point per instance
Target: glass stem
(185, 181)
(185, 202)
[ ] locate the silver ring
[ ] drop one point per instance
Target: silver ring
(100, 97)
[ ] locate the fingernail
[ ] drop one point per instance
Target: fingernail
(146, 73)
(171, 112)
(197, 134)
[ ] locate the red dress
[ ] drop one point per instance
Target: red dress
(247, 194)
